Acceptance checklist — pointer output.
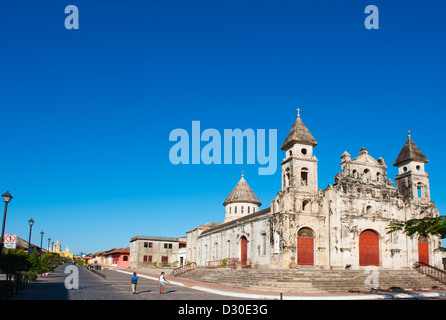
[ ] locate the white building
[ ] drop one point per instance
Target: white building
(342, 226)
(147, 251)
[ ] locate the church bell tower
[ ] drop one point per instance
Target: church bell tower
(299, 168)
(412, 181)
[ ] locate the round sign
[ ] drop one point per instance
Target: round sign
(10, 237)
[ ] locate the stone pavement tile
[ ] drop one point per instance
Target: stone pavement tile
(116, 286)
(50, 287)
(148, 289)
(241, 293)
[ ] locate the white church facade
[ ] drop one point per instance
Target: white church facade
(342, 226)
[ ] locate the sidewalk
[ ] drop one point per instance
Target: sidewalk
(254, 294)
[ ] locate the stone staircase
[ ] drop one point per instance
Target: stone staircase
(315, 280)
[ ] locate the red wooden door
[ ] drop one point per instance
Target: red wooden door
(305, 251)
(244, 251)
(368, 249)
(423, 252)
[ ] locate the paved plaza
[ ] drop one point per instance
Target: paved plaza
(115, 286)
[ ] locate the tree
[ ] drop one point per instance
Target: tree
(425, 226)
(15, 261)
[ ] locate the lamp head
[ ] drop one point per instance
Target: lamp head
(7, 196)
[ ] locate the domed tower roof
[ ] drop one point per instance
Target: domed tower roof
(242, 192)
(299, 133)
(410, 152)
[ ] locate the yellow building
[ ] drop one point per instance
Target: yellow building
(65, 254)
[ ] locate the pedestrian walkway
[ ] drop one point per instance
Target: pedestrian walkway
(52, 287)
(115, 285)
(112, 286)
(240, 293)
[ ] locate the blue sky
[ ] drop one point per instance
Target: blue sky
(86, 114)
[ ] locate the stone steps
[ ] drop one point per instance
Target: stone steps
(317, 280)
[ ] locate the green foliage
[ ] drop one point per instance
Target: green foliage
(35, 263)
(224, 263)
(46, 262)
(80, 262)
(15, 261)
(426, 226)
(5, 288)
(32, 276)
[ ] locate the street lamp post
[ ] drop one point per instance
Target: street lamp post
(41, 241)
(31, 222)
(6, 197)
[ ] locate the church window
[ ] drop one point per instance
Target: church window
(304, 177)
(241, 210)
(253, 209)
(215, 250)
(263, 244)
(366, 175)
(368, 210)
(304, 151)
(404, 169)
(355, 174)
(418, 168)
(249, 209)
(306, 205)
(228, 248)
(286, 178)
(230, 209)
(378, 176)
(291, 153)
(235, 209)
(125, 258)
(420, 190)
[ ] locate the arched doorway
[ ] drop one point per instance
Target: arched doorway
(423, 249)
(305, 247)
(368, 248)
(243, 251)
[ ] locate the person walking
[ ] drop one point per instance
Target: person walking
(162, 279)
(134, 281)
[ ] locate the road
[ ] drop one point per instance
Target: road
(116, 286)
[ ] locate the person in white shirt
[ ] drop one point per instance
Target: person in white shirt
(162, 279)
